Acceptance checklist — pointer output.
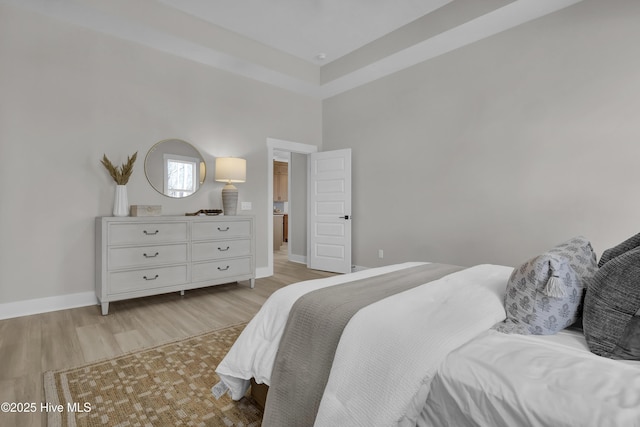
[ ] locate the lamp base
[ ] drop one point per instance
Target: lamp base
(230, 200)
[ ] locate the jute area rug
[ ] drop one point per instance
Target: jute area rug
(167, 385)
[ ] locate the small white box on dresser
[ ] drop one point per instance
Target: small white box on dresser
(142, 256)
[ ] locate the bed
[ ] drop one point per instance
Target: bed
(427, 353)
(533, 380)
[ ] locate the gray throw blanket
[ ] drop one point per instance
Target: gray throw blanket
(311, 335)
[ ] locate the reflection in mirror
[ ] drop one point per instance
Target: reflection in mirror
(175, 168)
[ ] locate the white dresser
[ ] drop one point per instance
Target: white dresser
(141, 256)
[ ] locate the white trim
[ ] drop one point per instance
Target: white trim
(480, 28)
(503, 18)
(300, 259)
(263, 272)
(44, 305)
(30, 307)
(279, 145)
(293, 147)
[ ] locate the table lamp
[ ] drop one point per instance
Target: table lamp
(230, 170)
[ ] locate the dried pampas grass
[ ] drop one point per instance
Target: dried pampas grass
(120, 174)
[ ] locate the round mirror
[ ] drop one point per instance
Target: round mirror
(175, 168)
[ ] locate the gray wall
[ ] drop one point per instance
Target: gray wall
(499, 150)
(490, 153)
(298, 206)
(68, 96)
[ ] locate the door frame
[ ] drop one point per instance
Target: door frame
(274, 144)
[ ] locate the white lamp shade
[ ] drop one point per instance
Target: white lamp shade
(231, 169)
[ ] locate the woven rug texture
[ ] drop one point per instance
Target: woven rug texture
(167, 385)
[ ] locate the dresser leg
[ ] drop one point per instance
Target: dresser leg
(182, 293)
(252, 282)
(105, 308)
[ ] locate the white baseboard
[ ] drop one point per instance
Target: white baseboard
(358, 268)
(263, 272)
(44, 305)
(299, 259)
(82, 299)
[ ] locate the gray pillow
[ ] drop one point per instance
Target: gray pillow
(631, 243)
(544, 295)
(611, 319)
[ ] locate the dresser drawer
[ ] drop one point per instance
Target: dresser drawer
(207, 230)
(141, 256)
(219, 249)
(220, 269)
(148, 278)
(147, 233)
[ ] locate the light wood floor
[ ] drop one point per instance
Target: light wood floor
(31, 345)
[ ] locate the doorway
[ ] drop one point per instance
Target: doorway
(274, 146)
(283, 197)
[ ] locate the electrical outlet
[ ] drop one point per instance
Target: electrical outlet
(380, 253)
(245, 206)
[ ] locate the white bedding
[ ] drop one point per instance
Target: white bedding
(254, 352)
(516, 380)
(388, 352)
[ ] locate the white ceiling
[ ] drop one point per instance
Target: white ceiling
(306, 28)
(277, 41)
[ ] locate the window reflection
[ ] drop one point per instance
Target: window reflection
(182, 177)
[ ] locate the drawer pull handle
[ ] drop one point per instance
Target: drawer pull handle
(223, 250)
(152, 278)
(225, 229)
(151, 256)
(151, 234)
(223, 269)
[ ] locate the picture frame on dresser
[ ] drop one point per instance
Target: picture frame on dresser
(143, 256)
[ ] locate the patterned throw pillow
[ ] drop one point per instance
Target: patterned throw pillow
(544, 295)
(611, 321)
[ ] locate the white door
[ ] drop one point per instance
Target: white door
(329, 183)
